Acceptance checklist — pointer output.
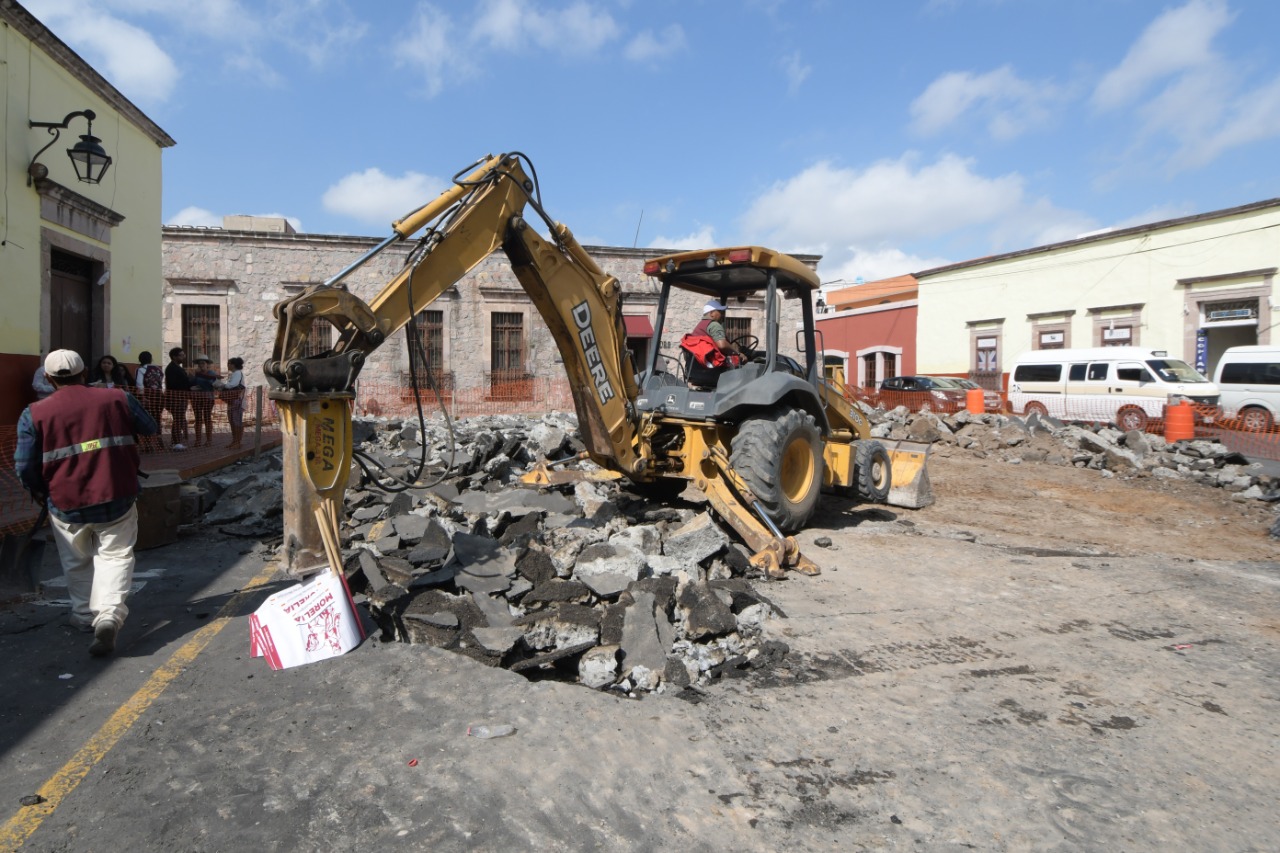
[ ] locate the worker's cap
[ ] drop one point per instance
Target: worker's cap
(202, 357)
(713, 305)
(63, 362)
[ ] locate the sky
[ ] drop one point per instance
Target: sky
(888, 137)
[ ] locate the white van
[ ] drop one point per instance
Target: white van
(1127, 386)
(1249, 378)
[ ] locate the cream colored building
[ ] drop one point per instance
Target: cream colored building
(1192, 286)
(79, 262)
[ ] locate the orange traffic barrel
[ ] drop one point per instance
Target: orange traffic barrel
(975, 401)
(1179, 422)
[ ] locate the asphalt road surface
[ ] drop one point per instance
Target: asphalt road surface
(1045, 660)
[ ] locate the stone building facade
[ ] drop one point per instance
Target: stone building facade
(221, 285)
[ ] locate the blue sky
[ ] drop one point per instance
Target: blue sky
(889, 137)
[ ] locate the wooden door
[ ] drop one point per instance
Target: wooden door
(71, 305)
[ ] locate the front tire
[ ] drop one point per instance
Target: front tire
(873, 472)
(1131, 418)
(779, 455)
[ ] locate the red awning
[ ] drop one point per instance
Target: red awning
(638, 325)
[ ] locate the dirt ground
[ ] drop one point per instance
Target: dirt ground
(1078, 510)
(1046, 659)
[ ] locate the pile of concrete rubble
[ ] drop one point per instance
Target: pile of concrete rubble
(591, 582)
(585, 582)
(1110, 451)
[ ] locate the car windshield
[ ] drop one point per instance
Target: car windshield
(945, 382)
(1172, 370)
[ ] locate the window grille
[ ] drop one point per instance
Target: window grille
(202, 332)
(507, 355)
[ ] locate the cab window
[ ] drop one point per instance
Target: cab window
(1129, 372)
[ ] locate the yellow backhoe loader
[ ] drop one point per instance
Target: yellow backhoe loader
(761, 444)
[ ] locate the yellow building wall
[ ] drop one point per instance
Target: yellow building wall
(35, 87)
(1140, 268)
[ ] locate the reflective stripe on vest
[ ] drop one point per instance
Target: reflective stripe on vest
(87, 447)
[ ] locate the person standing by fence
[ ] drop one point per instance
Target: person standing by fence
(150, 389)
(202, 386)
(231, 390)
(177, 387)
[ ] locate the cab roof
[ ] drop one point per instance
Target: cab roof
(738, 269)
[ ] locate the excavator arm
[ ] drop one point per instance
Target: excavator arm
(482, 212)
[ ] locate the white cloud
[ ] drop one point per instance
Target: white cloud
(196, 217)
(579, 28)
(1178, 40)
(428, 46)
(1192, 103)
(796, 72)
(376, 198)
(1010, 105)
(1249, 118)
(860, 220)
(128, 56)
(703, 238)
(647, 47)
(874, 264)
(893, 199)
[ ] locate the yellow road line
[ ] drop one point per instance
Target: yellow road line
(19, 828)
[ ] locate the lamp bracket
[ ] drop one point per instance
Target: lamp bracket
(55, 128)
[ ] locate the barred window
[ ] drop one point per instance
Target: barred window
(737, 327)
(431, 337)
(508, 345)
(890, 361)
(202, 332)
(319, 339)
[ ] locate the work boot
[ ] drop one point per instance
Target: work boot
(104, 639)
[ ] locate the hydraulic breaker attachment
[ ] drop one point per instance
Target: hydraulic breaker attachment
(910, 486)
(733, 500)
(317, 449)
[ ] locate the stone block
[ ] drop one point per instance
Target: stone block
(705, 615)
(640, 644)
(598, 668)
(606, 559)
(695, 541)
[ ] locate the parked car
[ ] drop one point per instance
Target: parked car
(922, 394)
(991, 400)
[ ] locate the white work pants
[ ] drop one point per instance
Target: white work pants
(97, 560)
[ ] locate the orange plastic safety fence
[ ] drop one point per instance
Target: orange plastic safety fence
(526, 396)
(261, 426)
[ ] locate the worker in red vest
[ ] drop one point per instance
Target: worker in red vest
(77, 452)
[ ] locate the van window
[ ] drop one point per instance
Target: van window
(1098, 371)
(1133, 373)
(1173, 370)
(1077, 372)
(1257, 373)
(1037, 373)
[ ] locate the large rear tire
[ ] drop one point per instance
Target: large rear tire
(779, 455)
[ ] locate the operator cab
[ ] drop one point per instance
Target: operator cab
(673, 383)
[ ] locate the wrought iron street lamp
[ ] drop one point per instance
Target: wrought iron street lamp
(88, 157)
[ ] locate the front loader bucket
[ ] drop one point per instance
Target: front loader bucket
(910, 486)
